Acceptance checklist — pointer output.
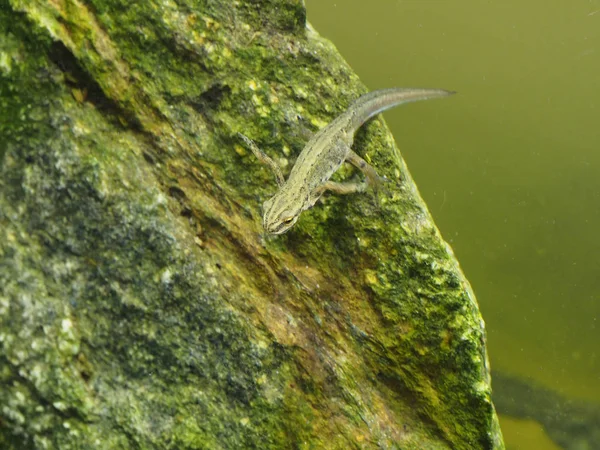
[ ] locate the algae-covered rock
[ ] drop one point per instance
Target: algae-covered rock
(140, 304)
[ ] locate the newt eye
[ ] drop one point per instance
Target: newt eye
(288, 220)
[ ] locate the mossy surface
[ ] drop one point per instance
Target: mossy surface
(140, 304)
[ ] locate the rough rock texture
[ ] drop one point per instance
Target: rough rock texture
(140, 305)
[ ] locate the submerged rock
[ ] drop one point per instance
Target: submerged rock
(140, 307)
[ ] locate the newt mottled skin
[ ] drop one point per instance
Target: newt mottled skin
(324, 154)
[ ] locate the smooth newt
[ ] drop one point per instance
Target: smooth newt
(324, 154)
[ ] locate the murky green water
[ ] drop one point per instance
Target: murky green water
(510, 167)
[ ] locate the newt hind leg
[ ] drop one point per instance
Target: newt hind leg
(373, 179)
(345, 188)
(351, 187)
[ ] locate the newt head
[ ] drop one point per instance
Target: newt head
(281, 211)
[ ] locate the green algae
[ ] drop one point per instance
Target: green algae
(141, 308)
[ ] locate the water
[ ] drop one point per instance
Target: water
(510, 167)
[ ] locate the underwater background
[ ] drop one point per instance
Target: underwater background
(509, 168)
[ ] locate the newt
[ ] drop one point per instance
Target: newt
(324, 153)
